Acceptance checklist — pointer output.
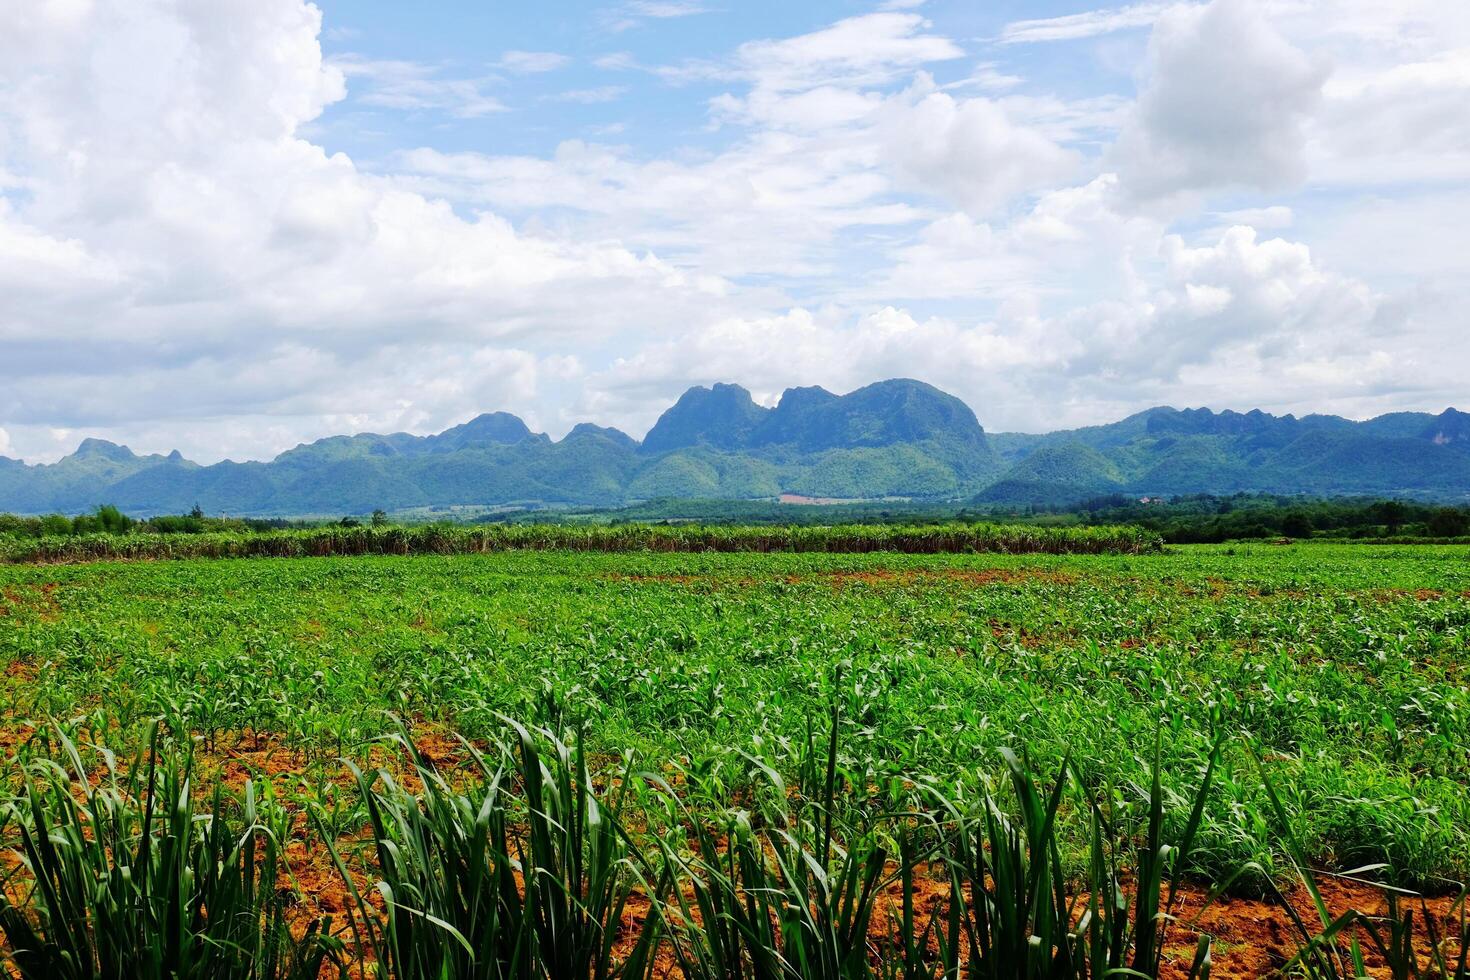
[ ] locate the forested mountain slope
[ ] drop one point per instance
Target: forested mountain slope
(898, 438)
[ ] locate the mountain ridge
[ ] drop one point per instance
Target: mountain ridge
(894, 438)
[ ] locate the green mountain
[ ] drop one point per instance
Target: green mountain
(1166, 451)
(896, 438)
(893, 439)
(1055, 473)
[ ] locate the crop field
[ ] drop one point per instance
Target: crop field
(742, 764)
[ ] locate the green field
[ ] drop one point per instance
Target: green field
(1338, 672)
(1345, 666)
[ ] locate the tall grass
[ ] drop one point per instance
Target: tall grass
(447, 540)
(131, 878)
(493, 883)
(527, 863)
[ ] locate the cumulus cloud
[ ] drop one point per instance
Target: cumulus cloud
(1242, 292)
(1075, 245)
(1224, 104)
(971, 150)
(180, 248)
(1241, 320)
(183, 265)
(834, 125)
(1399, 122)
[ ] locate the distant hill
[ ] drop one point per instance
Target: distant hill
(893, 439)
(1167, 451)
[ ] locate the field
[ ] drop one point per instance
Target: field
(1328, 682)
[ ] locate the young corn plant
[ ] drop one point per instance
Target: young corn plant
(1321, 954)
(132, 879)
(503, 882)
(1392, 935)
(1010, 913)
(786, 901)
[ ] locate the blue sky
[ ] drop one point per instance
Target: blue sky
(651, 115)
(232, 226)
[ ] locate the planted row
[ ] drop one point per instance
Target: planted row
(448, 540)
(528, 862)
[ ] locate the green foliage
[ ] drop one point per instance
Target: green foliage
(1297, 524)
(56, 524)
(731, 755)
(1066, 471)
(527, 875)
(130, 878)
(897, 438)
(1207, 519)
(349, 537)
(1343, 663)
(523, 866)
(885, 471)
(1448, 522)
(1170, 452)
(109, 520)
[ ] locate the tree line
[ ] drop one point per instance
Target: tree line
(108, 519)
(1209, 519)
(1191, 519)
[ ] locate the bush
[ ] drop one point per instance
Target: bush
(1448, 523)
(1297, 525)
(1015, 539)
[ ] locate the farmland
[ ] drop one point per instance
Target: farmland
(1327, 682)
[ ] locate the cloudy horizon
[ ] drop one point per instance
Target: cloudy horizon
(229, 228)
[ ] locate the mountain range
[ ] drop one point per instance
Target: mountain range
(892, 439)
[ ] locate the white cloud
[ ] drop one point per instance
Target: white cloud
(531, 62)
(1401, 122)
(664, 8)
(987, 77)
(631, 13)
(181, 253)
(765, 207)
(1418, 104)
(971, 150)
(1224, 104)
(1241, 292)
(954, 256)
(1272, 217)
(1239, 322)
(407, 85)
(865, 50)
(183, 266)
(1076, 245)
(590, 96)
(829, 144)
(1090, 23)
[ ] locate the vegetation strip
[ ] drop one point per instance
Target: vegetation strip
(526, 868)
(451, 540)
(801, 711)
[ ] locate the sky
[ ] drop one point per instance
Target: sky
(231, 226)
